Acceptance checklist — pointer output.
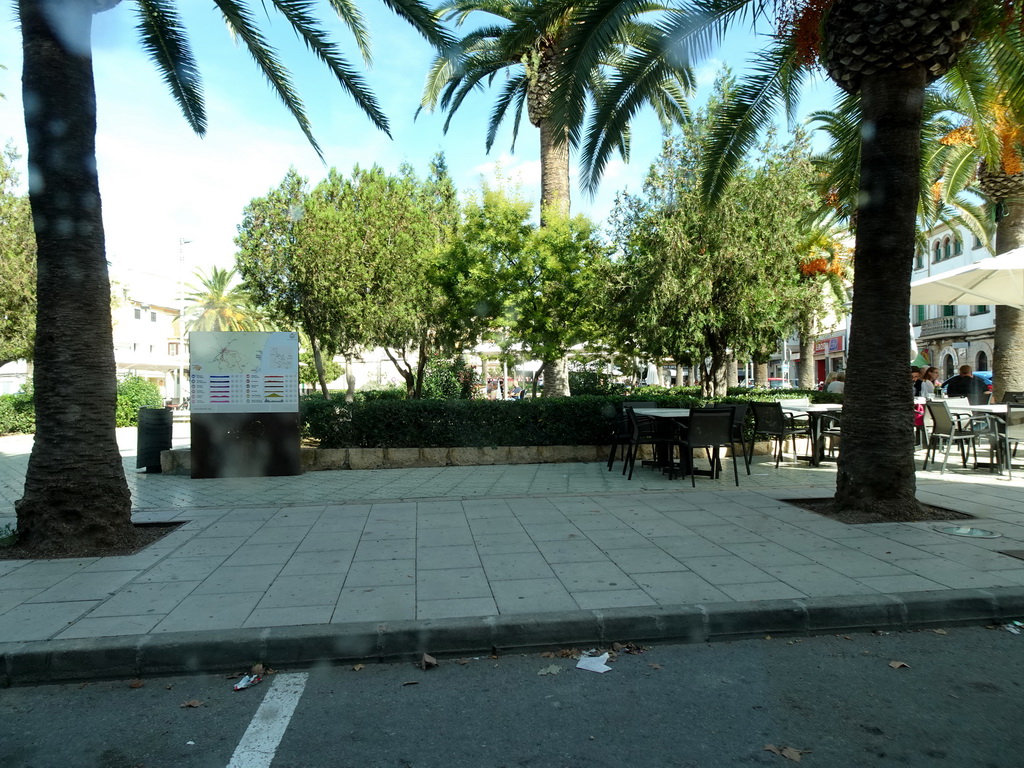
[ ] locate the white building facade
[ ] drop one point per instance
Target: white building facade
(949, 336)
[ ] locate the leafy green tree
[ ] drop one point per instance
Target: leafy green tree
(133, 393)
(219, 304)
(697, 281)
(75, 490)
(17, 266)
(310, 374)
(269, 249)
(527, 46)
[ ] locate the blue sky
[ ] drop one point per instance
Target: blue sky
(160, 183)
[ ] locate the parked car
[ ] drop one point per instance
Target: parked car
(985, 376)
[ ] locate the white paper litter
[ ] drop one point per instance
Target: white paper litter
(594, 663)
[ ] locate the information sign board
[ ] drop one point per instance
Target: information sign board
(245, 372)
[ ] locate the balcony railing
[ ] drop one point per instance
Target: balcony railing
(943, 326)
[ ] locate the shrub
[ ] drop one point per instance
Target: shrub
(448, 379)
(134, 392)
(18, 412)
(589, 382)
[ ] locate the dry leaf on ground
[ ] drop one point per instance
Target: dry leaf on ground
(191, 704)
(899, 665)
(257, 669)
(940, 632)
(632, 648)
(136, 683)
(411, 682)
(655, 666)
(358, 667)
(547, 655)
(790, 753)
(554, 669)
(428, 661)
(463, 662)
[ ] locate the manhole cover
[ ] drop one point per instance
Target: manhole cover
(974, 533)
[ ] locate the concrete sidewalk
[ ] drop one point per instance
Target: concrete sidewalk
(381, 563)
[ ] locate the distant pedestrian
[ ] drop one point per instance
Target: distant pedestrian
(966, 384)
(838, 384)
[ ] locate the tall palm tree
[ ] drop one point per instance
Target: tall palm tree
(220, 304)
(526, 46)
(75, 490)
(887, 53)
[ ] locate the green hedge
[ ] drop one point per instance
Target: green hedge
(583, 420)
(134, 392)
(17, 414)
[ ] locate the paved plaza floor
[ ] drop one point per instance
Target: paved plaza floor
(378, 548)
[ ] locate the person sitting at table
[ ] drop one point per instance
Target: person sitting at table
(837, 383)
(965, 385)
(915, 376)
(928, 381)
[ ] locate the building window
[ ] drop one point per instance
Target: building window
(152, 317)
(172, 348)
(151, 349)
(977, 242)
(946, 248)
(919, 259)
(138, 313)
(979, 309)
(938, 252)
(981, 363)
(920, 314)
(949, 311)
(958, 247)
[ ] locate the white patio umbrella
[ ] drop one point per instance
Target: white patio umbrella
(998, 280)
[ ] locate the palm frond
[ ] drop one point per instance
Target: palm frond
(164, 40)
(746, 115)
(514, 90)
(241, 24)
(299, 14)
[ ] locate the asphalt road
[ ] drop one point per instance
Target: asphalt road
(838, 699)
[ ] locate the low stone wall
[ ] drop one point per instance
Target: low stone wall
(179, 461)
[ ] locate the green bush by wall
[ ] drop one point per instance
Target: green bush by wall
(134, 392)
(583, 420)
(17, 413)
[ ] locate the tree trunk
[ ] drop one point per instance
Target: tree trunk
(714, 383)
(1008, 355)
(761, 374)
(808, 376)
(876, 463)
(75, 490)
(554, 172)
(350, 381)
(732, 375)
(318, 361)
(556, 378)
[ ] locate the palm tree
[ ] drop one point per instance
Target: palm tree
(217, 305)
(527, 47)
(887, 53)
(75, 490)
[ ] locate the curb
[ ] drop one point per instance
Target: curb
(56, 661)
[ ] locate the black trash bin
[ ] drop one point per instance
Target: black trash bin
(155, 426)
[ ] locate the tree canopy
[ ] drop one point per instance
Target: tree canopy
(17, 266)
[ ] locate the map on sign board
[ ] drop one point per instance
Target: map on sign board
(252, 372)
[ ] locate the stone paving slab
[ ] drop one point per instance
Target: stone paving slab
(336, 561)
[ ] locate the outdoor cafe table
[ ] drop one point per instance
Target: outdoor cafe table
(815, 413)
(663, 455)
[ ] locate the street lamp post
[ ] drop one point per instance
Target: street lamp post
(182, 242)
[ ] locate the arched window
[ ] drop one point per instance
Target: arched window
(918, 259)
(946, 248)
(981, 362)
(947, 367)
(938, 251)
(958, 247)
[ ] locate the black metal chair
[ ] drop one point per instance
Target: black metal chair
(711, 429)
(771, 421)
(624, 430)
(739, 426)
(648, 430)
(947, 430)
(1013, 396)
(831, 429)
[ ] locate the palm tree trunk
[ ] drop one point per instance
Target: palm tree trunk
(808, 375)
(1008, 357)
(876, 464)
(75, 490)
(554, 172)
(761, 374)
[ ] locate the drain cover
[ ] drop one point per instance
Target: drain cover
(974, 533)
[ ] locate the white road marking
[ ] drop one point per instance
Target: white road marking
(259, 744)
